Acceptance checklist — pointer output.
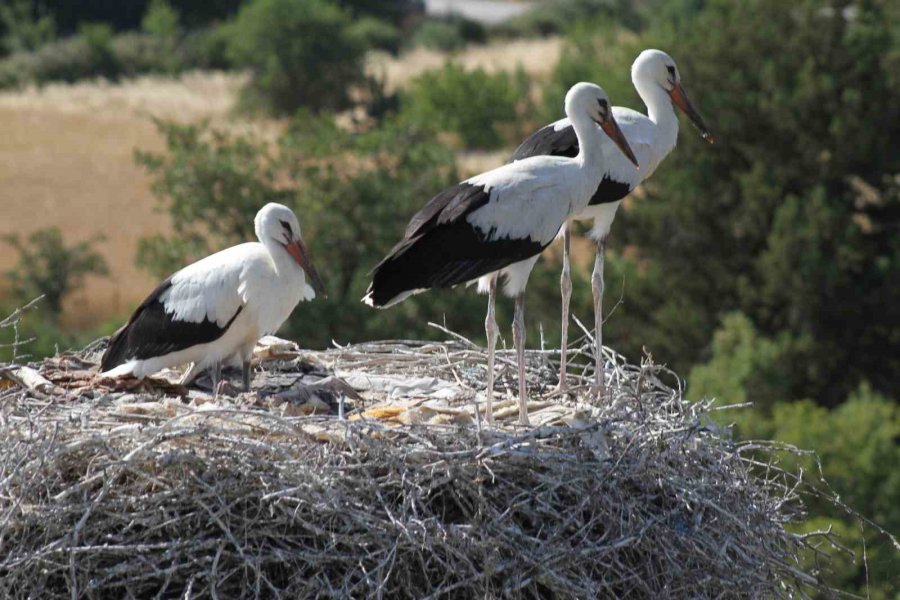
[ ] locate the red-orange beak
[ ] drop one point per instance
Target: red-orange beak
(297, 249)
(611, 128)
(681, 100)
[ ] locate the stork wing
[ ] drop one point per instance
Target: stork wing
(468, 230)
(555, 139)
(194, 306)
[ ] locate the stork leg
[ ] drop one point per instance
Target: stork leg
(245, 372)
(519, 339)
(599, 387)
(490, 327)
(565, 288)
(215, 373)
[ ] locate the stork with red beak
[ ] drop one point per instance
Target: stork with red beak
(216, 309)
(652, 137)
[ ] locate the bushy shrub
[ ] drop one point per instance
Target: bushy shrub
(449, 33)
(206, 48)
(556, 17)
(438, 35)
(24, 26)
(48, 267)
(66, 60)
(161, 20)
(138, 53)
(98, 39)
(475, 105)
(299, 53)
(377, 34)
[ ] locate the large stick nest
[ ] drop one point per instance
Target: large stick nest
(105, 495)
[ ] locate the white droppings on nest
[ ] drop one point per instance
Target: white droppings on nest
(410, 496)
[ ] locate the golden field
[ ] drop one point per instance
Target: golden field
(66, 157)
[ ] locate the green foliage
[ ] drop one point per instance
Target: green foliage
(475, 105)
(301, 53)
(377, 34)
(439, 35)
(24, 26)
(589, 55)
(48, 267)
(66, 60)
(161, 20)
(208, 178)
(554, 17)
(745, 366)
(449, 34)
(97, 38)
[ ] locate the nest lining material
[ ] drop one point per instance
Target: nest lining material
(106, 492)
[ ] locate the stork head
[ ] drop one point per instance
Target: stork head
(655, 67)
(277, 225)
(589, 99)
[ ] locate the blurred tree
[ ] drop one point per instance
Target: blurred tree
(301, 53)
(745, 367)
(211, 184)
(24, 26)
(97, 38)
(473, 104)
(48, 267)
(161, 20)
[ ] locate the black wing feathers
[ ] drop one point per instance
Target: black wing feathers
(442, 249)
(151, 331)
(609, 190)
(448, 206)
(548, 141)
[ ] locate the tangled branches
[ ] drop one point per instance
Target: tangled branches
(639, 495)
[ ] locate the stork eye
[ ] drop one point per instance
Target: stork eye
(287, 228)
(671, 70)
(604, 105)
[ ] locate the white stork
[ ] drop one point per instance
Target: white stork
(497, 223)
(216, 309)
(652, 136)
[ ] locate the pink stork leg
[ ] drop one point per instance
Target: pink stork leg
(599, 387)
(519, 339)
(565, 288)
(490, 327)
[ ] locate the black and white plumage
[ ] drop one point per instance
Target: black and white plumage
(497, 223)
(216, 309)
(652, 137)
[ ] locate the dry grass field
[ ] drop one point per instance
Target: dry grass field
(66, 157)
(66, 160)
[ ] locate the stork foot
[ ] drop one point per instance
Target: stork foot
(598, 390)
(561, 389)
(224, 388)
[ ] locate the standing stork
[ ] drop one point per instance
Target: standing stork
(652, 136)
(216, 309)
(497, 223)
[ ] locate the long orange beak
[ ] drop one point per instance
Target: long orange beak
(297, 249)
(681, 100)
(611, 128)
